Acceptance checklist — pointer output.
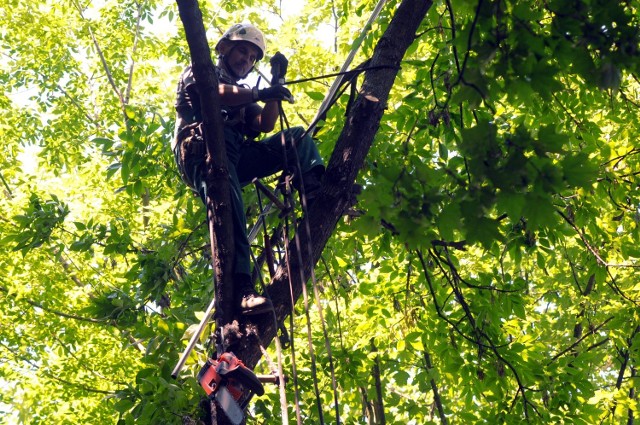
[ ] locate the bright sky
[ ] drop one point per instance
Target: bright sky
(160, 27)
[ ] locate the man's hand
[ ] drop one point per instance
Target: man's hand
(274, 93)
(279, 65)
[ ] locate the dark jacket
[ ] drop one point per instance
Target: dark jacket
(188, 106)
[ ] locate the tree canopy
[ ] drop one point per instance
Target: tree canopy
(490, 275)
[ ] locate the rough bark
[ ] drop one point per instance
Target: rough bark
(218, 194)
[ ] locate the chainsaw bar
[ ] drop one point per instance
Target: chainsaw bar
(228, 405)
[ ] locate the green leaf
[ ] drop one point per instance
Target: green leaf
(130, 112)
(512, 204)
(579, 171)
(502, 115)
(314, 95)
(123, 405)
(483, 230)
(550, 141)
(448, 221)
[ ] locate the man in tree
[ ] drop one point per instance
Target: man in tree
(240, 47)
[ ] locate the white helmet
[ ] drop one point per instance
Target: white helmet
(245, 32)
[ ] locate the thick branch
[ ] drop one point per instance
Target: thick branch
(218, 190)
(576, 343)
(348, 157)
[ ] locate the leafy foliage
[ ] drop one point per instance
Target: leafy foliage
(493, 274)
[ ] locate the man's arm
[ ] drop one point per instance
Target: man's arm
(234, 95)
(264, 122)
(271, 96)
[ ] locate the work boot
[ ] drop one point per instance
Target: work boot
(250, 302)
(312, 182)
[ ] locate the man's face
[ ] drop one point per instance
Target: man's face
(241, 58)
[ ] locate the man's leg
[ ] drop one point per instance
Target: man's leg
(247, 299)
(267, 157)
(262, 159)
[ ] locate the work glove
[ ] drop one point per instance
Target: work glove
(273, 93)
(279, 65)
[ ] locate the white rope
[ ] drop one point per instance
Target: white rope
(338, 81)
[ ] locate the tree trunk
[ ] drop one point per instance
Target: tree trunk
(348, 157)
(218, 194)
(218, 198)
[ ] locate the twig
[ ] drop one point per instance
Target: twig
(480, 335)
(133, 52)
(103, 60)
(56, 312)
(591, 249)
(575, 344)
(567, 111)
(436, 395)
(6, 185)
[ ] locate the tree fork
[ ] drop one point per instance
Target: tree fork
(347, 158)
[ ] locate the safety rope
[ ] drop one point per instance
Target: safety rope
(289, 197)
(356, 45)
(349, 80)
(281, 381)
(284, 123)
(357, 70)
(337, 307)
(303, 201)
(329, 100)
(279, 370)
(294, 366)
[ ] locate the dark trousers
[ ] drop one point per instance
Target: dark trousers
(247, 160)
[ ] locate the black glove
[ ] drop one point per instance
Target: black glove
(275, 93)
(279, 65)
